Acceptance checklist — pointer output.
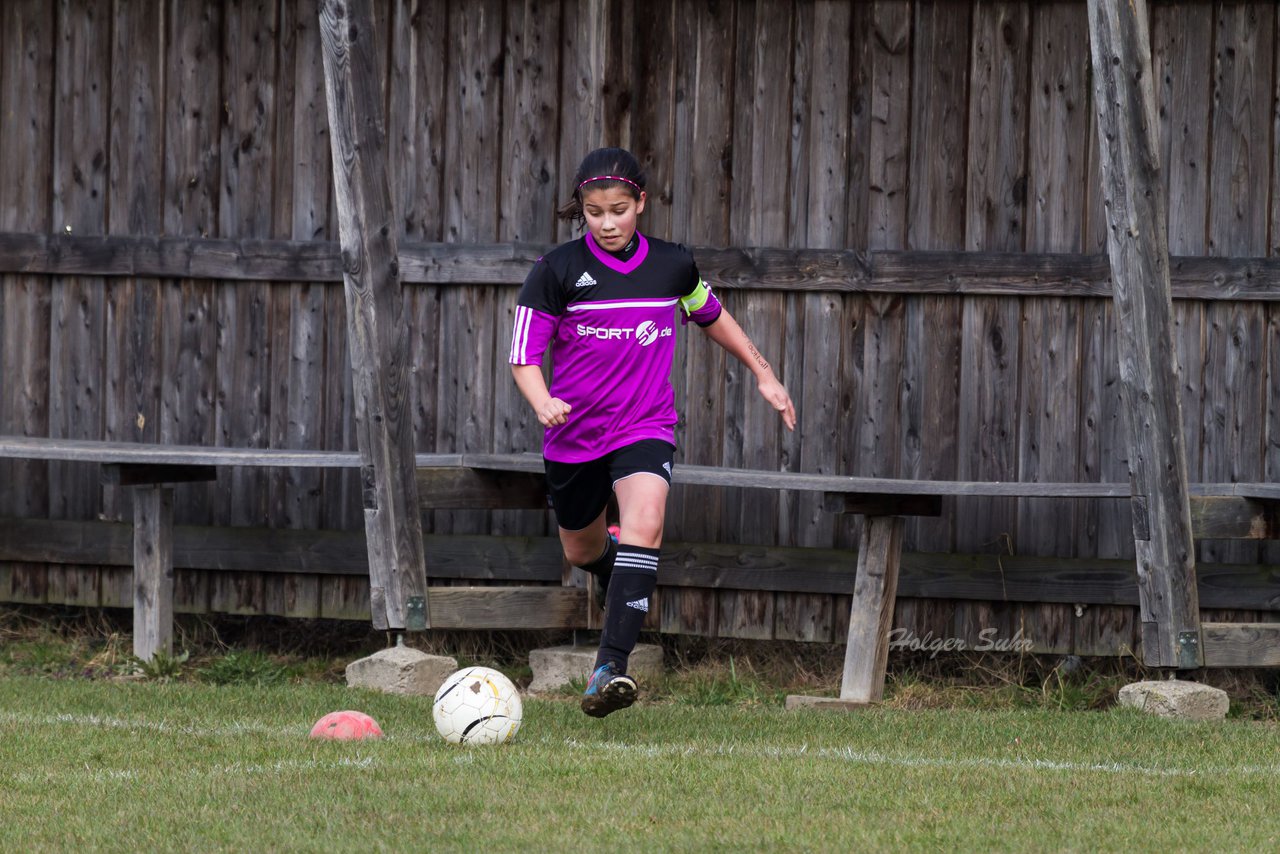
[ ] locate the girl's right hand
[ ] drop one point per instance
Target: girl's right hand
(554, 412)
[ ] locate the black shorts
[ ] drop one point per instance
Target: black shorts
(580, 491)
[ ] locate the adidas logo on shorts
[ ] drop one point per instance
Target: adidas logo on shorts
(640, 605)
(584, 281)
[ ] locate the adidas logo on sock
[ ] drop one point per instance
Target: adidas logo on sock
(640, 605)
(585, 281)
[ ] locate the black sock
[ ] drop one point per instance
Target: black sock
(635, 575)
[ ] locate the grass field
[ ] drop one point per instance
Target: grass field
(102, 765)
(210, 753)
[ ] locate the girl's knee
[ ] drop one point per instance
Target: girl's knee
(643, 526)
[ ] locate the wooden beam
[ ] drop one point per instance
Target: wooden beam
(1241, 644)
(508, 607)
(152, 571)
(1010, 274)
(479, 489)
(866, 654)
(1234, 518)
(1137, 244)
(377, 334)
(871, 504)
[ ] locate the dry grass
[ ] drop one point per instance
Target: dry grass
(95, 643)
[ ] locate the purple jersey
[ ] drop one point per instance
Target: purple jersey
(610, 322)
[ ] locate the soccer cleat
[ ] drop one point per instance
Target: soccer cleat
(601, 587)
(608, 691)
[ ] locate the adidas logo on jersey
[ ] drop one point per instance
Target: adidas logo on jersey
(584, 281)
(640, 605)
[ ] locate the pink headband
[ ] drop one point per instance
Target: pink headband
(611, 178)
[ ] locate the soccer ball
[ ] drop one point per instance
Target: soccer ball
(477, 705)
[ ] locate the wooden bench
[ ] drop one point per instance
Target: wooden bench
(151, 471)
(1219, 511)
(514, 481)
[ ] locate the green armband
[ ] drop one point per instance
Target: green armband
(696, 299)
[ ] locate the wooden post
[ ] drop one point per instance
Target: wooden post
(376, 331)
(875, 590)
(152, 571)
(1138, 246)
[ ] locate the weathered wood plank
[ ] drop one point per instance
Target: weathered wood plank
(191, 151)
(971, 273)
(24, 390)
(1182, 50)
(244, 315)
(1137, 245)
(507, 608)
(527, 208)
(136, 198)
(819, 219)
(860, 90)
(191, 170)
(77, 343)
(890, 139)
(652, 109)
(1105, 529)
(929, 419)
(481, 490)
(342, 505)
(27, 87)
(1241, 644)
(1271, 427)
(871, 616)
(153, 572)
(1049, 422)
(416, 115)
(135, 453)
(700, 566)
(81, 120)
(999, 90)
(1059, 132)
(375, 316)
(940, 83)
(1241, 124)
(988, 421)
(1232, 413)
(705, 197)
(583, 46)
(995, 220)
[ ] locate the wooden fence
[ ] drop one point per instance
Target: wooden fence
(923, 178)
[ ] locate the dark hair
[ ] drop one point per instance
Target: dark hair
(604, 167)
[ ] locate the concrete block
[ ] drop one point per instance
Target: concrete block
(401, 670)
(555, 667)
(1175, 698)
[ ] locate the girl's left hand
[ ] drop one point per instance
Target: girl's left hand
(774, 392)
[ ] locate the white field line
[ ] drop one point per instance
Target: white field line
(871, 757)
(651, 751)
(234, 769)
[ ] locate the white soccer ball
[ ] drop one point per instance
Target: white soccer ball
(477, 705)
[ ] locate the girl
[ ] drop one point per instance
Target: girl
(605, 304)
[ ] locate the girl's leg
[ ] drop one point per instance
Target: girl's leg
(642, 506)
(582, 548)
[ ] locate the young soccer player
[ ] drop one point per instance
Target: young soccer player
(606, 304)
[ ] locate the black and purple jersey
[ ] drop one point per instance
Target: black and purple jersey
(610, 322)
